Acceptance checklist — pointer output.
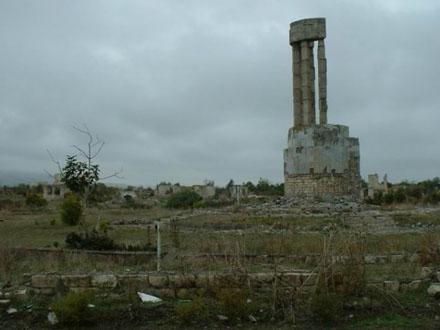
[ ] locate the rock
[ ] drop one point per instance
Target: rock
(158, 281)
(370, 259)
(108, 281)
(45, 281)
(252, 318)
(21, 292)
(222, 317)
(5, 302)
(11, 310)
(426, 272)
(391, 285)
(52, 318)
(434, 290)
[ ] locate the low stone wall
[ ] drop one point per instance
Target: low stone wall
(185, 286)
(127, 257)
(121, 257)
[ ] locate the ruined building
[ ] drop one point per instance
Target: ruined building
(321, 159)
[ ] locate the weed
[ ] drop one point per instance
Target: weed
(194, 310)
(233, 302)
(72, 309)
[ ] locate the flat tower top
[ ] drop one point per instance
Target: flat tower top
(307, 29)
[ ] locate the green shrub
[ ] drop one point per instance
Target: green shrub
(433, 197)
(183, 199)
(90, 241)
(233, 302)
(9, 204)
(388, 198)
(72, 309)
(93, 240)
(399, 196)
(187, 311)
(35, 200)
(71, 210)
(327, 307)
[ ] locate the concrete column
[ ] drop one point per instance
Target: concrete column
(322, 82)
(297, 92)
(307, 79)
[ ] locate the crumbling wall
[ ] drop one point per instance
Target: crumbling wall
(321, 161)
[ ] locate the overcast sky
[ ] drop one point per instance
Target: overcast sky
(184, 91)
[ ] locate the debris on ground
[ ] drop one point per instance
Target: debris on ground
(148, 298)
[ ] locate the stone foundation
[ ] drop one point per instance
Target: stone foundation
(321, 185)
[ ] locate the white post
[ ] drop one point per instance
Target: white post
(158, 244)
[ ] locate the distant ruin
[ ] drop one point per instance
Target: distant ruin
(321, 159)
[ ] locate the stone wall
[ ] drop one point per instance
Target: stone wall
(185, 286)
(321, 185)
(322, 160)
(136, 257)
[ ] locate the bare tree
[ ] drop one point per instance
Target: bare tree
(89, 153)
(92, 150)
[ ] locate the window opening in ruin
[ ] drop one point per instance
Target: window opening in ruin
(311, 170)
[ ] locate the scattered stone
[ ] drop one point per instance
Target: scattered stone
(391, 285)
(11, 310)
(222, 317)
(5, 302)
(252, 318)
(52, 318)
(21, 292)
(426, 272)
(434, 290)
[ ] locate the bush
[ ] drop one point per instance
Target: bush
(35, 200)
(399, 196)
(9, 204)
(183, 199)
(93, 240)
(194, 310)
(73, 308)
(90, 241)
(327, 307)
(388, 198)
(233, 302)
(71, 210)
(429, 250)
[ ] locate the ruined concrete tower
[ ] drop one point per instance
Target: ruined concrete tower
(321, 160)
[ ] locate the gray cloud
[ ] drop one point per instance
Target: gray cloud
(188, 90)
